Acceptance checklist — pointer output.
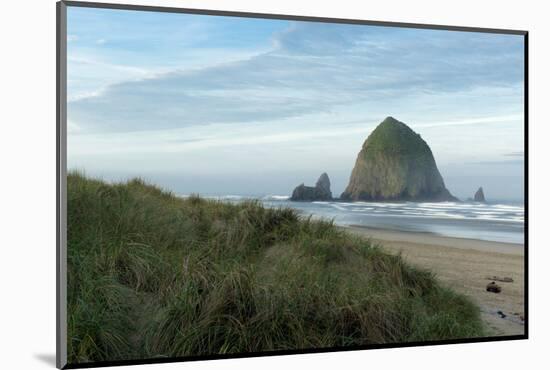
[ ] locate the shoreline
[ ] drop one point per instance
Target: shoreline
(464, 265)
(439, 240)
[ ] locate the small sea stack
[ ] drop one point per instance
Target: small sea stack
(479, 195)
(321, 191)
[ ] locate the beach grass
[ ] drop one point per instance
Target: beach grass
(154, 275)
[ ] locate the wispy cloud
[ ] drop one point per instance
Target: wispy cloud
(476, 121)
(315, 67)
(515, 154)
(502, 162)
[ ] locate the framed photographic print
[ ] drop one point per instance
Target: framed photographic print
(234, 184)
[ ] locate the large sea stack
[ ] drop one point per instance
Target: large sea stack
(321, 191)
(395, 163)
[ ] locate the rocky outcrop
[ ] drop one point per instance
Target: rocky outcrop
(321, 191)
(323, 185)
(395, 163)
(479, 196)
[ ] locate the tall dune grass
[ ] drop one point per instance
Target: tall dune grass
(153, 275)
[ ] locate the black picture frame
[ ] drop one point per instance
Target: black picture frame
(61, 173)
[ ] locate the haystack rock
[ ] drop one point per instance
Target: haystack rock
(479, 196)
(321, 191)
(395, 163)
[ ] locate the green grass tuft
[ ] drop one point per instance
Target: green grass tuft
(152, 275)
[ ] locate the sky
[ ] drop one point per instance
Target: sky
(228, 105)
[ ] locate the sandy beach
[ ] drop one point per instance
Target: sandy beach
(465, 265)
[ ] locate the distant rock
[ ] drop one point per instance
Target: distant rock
(321, 191)
(479, 196)
(493, 288)
(323, 184)
(395, 163)
(304, 193)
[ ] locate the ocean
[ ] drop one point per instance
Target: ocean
(500, 222)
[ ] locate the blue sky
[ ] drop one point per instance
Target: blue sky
(229, 105)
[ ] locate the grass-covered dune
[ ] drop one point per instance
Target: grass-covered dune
(152, 275)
